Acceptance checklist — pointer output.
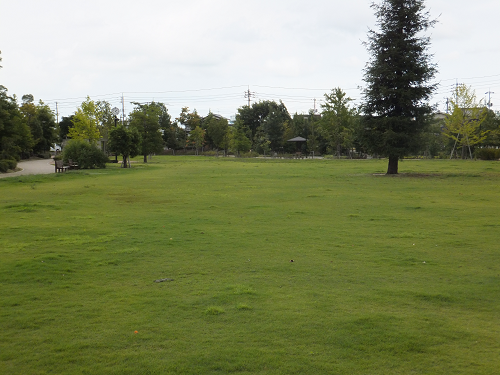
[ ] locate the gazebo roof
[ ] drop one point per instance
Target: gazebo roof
(297, 139)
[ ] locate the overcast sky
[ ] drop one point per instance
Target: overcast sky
(204, 54)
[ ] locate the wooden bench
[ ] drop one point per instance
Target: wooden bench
(60, 167)
(72, 165)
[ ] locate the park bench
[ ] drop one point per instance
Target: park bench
(72, 165)
(60, 167)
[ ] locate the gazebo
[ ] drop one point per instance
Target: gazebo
(299, 141)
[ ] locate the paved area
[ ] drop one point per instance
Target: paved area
(33, 166)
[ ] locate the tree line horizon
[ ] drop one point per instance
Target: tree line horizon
(395, 119)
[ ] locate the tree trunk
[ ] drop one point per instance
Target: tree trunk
(145, 158)
(393, 165)
(124, 164)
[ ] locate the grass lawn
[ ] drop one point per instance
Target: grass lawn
(390, 275)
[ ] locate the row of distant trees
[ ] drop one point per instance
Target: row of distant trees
(264, 127)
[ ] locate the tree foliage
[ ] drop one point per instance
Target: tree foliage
(64, 125)
(492, 125)
(216, 131)
(125, 142)
(397, 79)
(197, 137)
(239, 139)
(264, 117)
(463, 124)
(41, 122)
(338, 121)
(16, 140)
(190, 120)
(86, 122)
(146, 119)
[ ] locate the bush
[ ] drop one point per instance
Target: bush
(6, 164)
(250, 154)
(488, 153)
(44, 155)
(86, 155)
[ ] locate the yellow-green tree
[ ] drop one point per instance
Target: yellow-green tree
(197, 137)
(463, 124)
(86, 122)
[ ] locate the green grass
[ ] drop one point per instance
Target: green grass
(390, 275)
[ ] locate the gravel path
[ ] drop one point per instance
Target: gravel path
(34, 166)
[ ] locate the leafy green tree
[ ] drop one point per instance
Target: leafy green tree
(435, 140)
(146, 119)
(125, 142)
(266, 116)
(492, 125)
(190, 120)
(49, 126)
(216, 131)
(42, 123)
(106, 119)
(86, 122)
(262, 143)
(312, 132)
(28, 109)
(398, 78)
(274, 124)
(463, 125)
(239, 139)
(64, 125)
(173, 136)
(253, 116)
(197, 137)
(289, 131)
(338, 121)
(15, 135)
(167, 128)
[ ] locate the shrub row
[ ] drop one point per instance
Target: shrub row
(488, 153)
(6, 164)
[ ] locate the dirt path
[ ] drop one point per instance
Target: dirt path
(34, 166)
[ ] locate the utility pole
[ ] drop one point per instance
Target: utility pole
(123, 110)
(249, 95)
(314, 105)
(57, 114)
(489, 98)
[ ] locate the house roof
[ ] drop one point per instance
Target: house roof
(297, 139)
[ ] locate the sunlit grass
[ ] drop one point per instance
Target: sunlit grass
(269, 267)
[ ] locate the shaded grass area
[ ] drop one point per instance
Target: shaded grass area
(390, 275)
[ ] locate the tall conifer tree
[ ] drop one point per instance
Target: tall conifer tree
(397, 77)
